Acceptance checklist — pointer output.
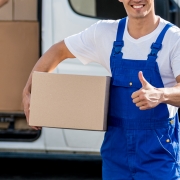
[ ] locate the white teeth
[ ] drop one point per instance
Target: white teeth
(137, 7)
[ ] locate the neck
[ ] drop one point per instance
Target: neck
(139, 27)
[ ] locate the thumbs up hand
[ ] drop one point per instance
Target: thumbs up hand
(148, 96)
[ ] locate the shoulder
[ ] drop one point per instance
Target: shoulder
(172, 37)
(173, 32)
(108, 23)
(107, 26)
(106, 31)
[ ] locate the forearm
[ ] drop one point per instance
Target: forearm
(56, 54)
(2, 2)
(171, 95)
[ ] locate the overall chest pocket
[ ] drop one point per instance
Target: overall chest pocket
(129, 78)
(123, 86)
(126, 81)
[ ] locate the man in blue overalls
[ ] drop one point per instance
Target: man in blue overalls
(142, 140)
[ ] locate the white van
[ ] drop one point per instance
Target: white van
(58, 19)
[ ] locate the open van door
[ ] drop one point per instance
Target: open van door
(20, 32)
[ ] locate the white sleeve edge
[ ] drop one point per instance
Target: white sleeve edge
(68, 45)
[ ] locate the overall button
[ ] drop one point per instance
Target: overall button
(130, 83)
(167, 140)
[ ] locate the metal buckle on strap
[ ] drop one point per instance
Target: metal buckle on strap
(156, 46)
(155, 49)
(118, 45)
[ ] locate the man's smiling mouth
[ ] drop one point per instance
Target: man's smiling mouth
(137, 6)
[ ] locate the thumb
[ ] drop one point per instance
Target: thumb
(142, 79)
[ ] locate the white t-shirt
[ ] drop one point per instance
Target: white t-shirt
(95, 43)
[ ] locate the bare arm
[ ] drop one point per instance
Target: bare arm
(56, 54)
(172, 95)
(2, 2)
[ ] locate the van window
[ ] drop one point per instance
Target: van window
(102, 9)
(169, 10)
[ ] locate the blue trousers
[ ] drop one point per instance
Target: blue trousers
(140, 154)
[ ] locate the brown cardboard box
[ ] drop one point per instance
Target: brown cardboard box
(69, 101)
(25, 10)
(18, 53)
(4, 125)
(21, 124)
(6, 12)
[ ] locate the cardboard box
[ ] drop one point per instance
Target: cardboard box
(18, 53)
(69, 101)
(6, 12)
(25, 10)
(21, 124)
(4, 125)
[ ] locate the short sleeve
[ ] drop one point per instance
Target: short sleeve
(175, 59)
(83, 45)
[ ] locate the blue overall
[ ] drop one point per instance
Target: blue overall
(138, 145)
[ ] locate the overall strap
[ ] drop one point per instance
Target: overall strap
(121, 28)
(157, 46)
(119, 43)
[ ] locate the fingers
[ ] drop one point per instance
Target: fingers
(26, 104)
(145, 107)
(36, 128)
(144, 82)
(142, 105)
(33, 127)
(142, 79)
(135, 94)
(26, 112)
(136, 100)
(141, 102)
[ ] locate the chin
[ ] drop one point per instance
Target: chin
(139, 16)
